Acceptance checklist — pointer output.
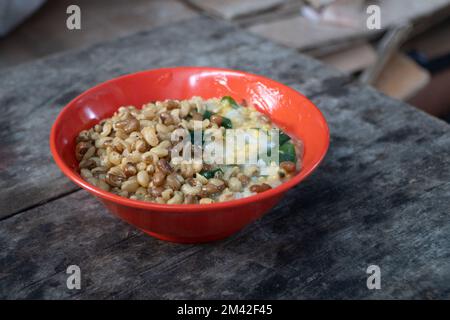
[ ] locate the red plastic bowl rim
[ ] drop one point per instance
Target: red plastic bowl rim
(180, 208)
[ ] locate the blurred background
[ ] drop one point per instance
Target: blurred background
(407, 58)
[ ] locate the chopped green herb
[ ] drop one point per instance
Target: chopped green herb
(226, 123)
(210, 173)
(287, 152)
(230, 101)
(282, 138)
(207, 114)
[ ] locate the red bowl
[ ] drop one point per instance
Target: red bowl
(191, 223)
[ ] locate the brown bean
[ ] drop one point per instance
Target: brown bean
(288, 166)
(155, 192)
(114, 179)
(140, 146)
(129, 170)
(173, 182)
(81, 148)
(258, 188)
(193, 182)
(87, 164)
(216, 119)
(128, 125)
(166, 118)
(83, 136)
(190, 199)
(243, 179)
(208, 189)
(164, 166)
(158, 179)
(172, 104)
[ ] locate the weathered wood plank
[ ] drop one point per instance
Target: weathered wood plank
(381, 197)
(31, 95)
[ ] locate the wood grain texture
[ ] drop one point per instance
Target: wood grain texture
(380, 197)
(31, 95)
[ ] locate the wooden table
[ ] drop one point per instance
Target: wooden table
(382, 195)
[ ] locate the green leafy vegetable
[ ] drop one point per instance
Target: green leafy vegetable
(226, 123)
(283, 138)
(287, 152)
(230, 101)
(207, 114)
(208, 174)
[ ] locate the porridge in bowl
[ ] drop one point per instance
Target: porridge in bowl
(192, 151)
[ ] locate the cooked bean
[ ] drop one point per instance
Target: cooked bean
(141, 166)
(172, 104)
(104, 142)
(177, 198)
(167, 194)
(161, 128)
(193, 182)
(206, 201)
(160, 152)
(130, 185)
(235, 184)
(81, 149)
(258, 188)
(83, 136)
(106, 130)
(114, 179)
(99, 170)
(140, 145)
(149, 157)
(164, 166)
(87, 164)
(189, 189)
(89, 153)
(155, 191)
(288, 166)
(184, 109)
(227, 196)
(243, 179)
(218, 183)
(251, 170)
(150, 169)
(97, 128)
(115, 158)
(209, 189)
(150, 136)
(166, 118)
(129, 125)
(143, 178)
(141, 191)
(158, 178)
(173, 182)
(103, 185)
(86, 173)
(201, 178)
(187, 170)
(189, 199)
